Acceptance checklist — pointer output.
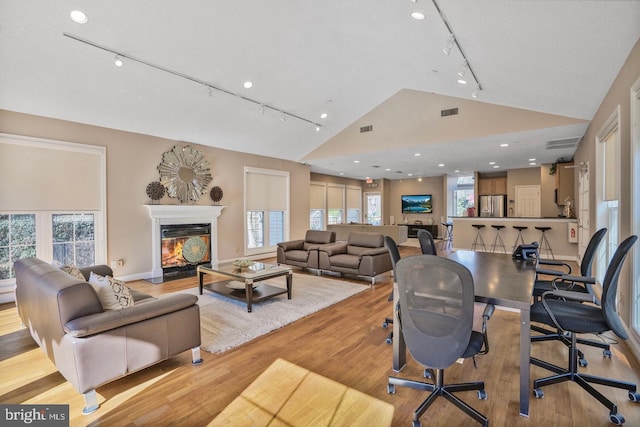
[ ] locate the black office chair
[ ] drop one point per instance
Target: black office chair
(563, 280)
(394, 254)
(570, 312)
(427, 245)
(436, 325)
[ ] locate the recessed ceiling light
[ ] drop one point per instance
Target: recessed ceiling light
(457, 171)
(441, 165)
(492, 163)
(504, 145)
(496, 166)
(247, 84)
(388, 169)
(78, 16)
(356, 161)
(532, 163)
(416, 155)
(532, 160)
(341, 173)
(323, 115)
(419, 16)
(462, 81)
(409, 174)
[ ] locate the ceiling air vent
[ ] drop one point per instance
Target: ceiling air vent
(449, 112)
(563, 143)
(364, 129)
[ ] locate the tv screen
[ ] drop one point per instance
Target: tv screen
(418, 203)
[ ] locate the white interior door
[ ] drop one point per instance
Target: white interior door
(527, 201)
(584, 228)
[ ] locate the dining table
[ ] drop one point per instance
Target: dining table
(501, 280)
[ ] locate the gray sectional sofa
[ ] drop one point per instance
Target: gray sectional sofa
(362, 254)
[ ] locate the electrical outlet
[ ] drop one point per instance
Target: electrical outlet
(114, 264)
(120, 263)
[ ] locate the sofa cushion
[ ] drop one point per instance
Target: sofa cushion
(366, 240)
(300, 256)
(113, 293)
(345, 261)
(70, 269)
(320, 236)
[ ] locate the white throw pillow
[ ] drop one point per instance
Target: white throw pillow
(113, 293)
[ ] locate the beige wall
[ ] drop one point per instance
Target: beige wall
(432, 185)
(132, 161)
(618, 95)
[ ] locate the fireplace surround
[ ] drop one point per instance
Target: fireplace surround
(162, 215)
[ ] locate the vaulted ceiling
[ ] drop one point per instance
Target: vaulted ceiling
(543, 67)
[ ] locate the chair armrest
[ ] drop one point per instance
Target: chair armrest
(581, 279)
(112, 319)
(488, 312)
(550, 272)
(557, 263)
(334, 248)
(292, 245)
(375, 251)
(570, 295)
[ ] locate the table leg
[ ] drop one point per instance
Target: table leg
(525, 368)
(289, 284)
(200, 280)
(399, 346)
(248, 284)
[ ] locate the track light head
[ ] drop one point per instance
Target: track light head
(463, 69)
(118, 62)
(447, 49)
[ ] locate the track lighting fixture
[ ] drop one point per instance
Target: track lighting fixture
(447, 49)
(317, 128)
(454, 41)
(119, 62)
(475, 93)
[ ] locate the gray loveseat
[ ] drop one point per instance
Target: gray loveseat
(304, 252)
(363, 255)
(90, 346)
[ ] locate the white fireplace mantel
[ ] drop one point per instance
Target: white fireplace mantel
(181, 214)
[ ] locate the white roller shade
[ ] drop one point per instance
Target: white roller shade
(335, 197)
(316, 195)
(34, 175)
(354, 197)
(611, 169)
(266, 190)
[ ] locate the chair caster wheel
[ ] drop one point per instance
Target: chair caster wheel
(389, 341)
(385, 325)
(617, 419)
(539, 394)
(606, 353)
(634, 396)
(427, 374)
(416, 423)
(482, 394)
(391, 389)
(583, 362)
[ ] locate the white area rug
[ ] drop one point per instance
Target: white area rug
(225, 322)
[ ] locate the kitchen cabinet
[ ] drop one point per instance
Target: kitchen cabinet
(564, 182)
(431, 228)
(492, 186)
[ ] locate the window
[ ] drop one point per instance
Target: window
(464, 195)
(267, 209)
(608, 189)
(317, 195)
(17, 240)
(73, 238)
(335, 216)
(374, 209)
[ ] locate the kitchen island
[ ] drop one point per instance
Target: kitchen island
(464, 234)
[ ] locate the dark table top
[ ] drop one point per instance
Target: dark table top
(498, 278)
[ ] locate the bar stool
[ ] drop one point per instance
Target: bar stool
(519, 238)
(544, 243)
(497, 241)
(478, 240)
(447, 240)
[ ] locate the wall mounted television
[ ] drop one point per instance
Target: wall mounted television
(417, 204)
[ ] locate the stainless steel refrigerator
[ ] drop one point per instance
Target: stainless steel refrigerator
(493, 206)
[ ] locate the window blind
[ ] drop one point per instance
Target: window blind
(266, 190)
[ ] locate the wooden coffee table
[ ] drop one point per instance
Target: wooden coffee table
(243, 282)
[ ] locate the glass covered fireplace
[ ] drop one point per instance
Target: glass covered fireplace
(184, 247)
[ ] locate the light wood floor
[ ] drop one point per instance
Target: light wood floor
(344, 342)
